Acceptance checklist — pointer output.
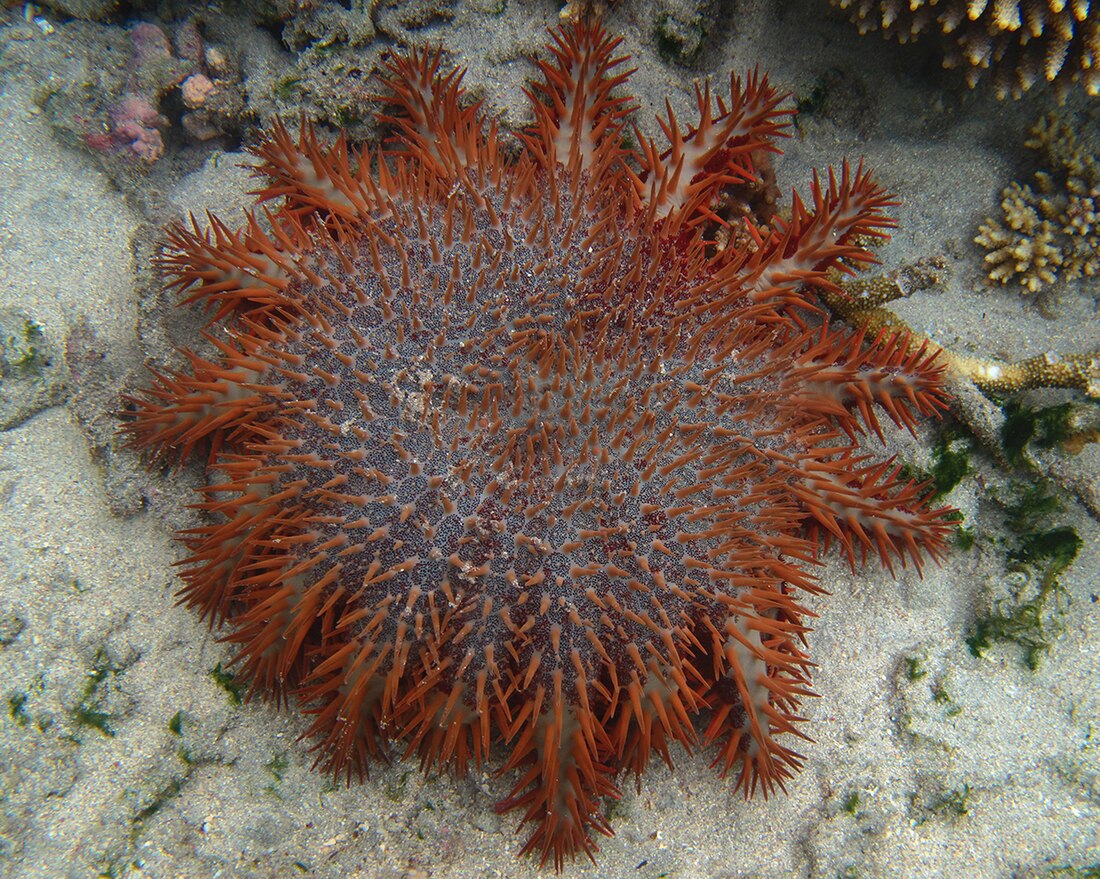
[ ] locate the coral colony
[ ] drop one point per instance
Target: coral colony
(1019, 42)
(511, 449)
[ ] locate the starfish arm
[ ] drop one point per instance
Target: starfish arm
(228, 270)
(578, 118)
(560, 791)
(838, 375)
(759, 677)
(799, 253)
(870, 509)
(434, 126)
(183, 410)
(346, 691)
(315, 180)
(715, 152)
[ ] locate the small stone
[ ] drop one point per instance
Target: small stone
(11, 625)
(216, 59)
(196, 89)
(199, 127)
(189, 42)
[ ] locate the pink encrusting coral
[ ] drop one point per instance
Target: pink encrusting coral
(509, 450)
(135, 126)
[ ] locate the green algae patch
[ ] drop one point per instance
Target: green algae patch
(1055, 549)
(32, 376)
(953, 804)
(22, 349)
(17, 710)
(101, 702)
(950, 464)
(1039, 550)
(1092, 871)
(680, 34)
(914, 668)
(229, 683)
(1068, 426)
(964, 538)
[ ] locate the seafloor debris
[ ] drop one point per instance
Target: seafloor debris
(120, 91)
(31, 376)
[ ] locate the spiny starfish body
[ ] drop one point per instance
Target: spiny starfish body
(507, 450)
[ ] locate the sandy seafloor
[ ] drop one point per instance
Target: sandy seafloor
(981, 768)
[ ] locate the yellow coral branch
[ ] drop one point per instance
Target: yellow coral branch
(860, 303)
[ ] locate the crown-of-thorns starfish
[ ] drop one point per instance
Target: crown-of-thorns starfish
(506, 449)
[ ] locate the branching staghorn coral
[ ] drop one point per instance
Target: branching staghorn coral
(1051, 228)
(1021, 42)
